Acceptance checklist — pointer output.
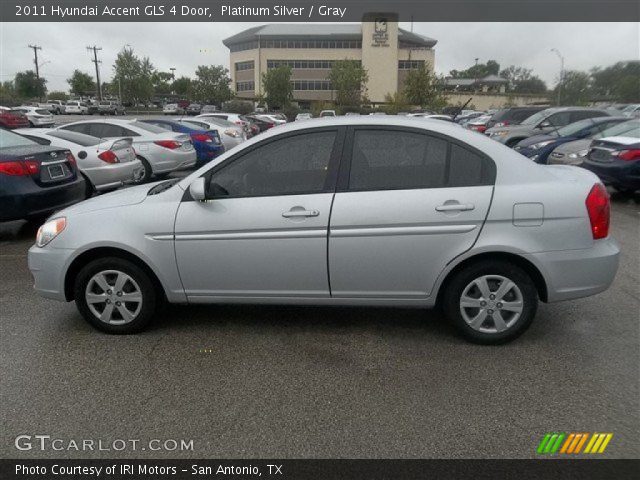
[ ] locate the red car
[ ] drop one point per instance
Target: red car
(12, 119)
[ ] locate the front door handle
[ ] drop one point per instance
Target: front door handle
(299, 212)
(455, 207)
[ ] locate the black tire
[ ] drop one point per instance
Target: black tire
(145, 284)
(528, 297)
(146, 176)
(89, 189)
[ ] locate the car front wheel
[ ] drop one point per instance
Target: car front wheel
(115, 296)
(491, 302)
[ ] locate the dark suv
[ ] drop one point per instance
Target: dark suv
(512, 116)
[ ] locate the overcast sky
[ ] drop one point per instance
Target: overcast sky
(186, 45)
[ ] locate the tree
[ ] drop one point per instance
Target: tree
(162, 82)
(521, 80)
(421, 87)
(575, 88)
(277, 85)
(238, 106)
(349, 80)
(182, 86)
(133, 76)
(212, 84)
(81, 83)
(56, 95)
(477, 71)
(8, 93)
(531, 85)
(620, 81)
(27, 85)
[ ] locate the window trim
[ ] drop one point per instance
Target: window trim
(332, 169)
(347, 157)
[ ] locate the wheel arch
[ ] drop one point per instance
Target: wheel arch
(100, 252)
(518, 260)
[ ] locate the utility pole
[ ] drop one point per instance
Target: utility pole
(561, 83)
(96, 61)
(35, 61)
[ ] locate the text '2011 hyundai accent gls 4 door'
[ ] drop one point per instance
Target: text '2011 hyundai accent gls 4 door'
(347, 211)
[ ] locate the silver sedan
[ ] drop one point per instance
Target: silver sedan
(344, 211)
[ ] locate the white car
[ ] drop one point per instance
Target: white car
(76, 108)
(106, 164)
(278, 118)
(302, 116)
(416, 214)
(230, 134)
(172, 109)
(38, 117)
(160, 151)
(327, 113)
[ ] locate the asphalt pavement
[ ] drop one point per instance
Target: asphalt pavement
(303, 382)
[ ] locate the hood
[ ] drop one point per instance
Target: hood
(527, 142)
(573, 147)
(119, 198)
(512, 129)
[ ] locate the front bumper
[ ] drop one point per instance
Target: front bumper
(48, 266)
(571, 274)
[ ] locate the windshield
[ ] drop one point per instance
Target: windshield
(194, 124)
(9, 139)
(75, 137)
(148, 127)
(536, 117)
(627, 129)
(630, 108)
(575, 127)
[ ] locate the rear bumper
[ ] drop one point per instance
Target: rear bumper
(617, 173)
(580, 273)
(113, 175)
(26, 199)
(174, 161)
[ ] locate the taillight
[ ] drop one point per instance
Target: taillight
(271, 125)
(71, 159)
(201, 137)
(599, 211)
(633, 154)
(109, 157)
(19, 168)
(170, 144)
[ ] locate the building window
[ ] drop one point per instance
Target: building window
(315, 85)
(245, 86)
(238, 47)
(410, 64)
(244, 66)
(305, 64)
(411, 46)
(305, 44)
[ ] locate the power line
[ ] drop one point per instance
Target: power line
(96, 62)
(35, 61)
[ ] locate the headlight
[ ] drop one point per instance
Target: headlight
(232, 133)
(537, 146)
(50, 230)
(499, 133)
(580, 154)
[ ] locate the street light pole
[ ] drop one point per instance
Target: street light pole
(561, 83)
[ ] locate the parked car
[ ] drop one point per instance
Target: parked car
(160, 151)
(512, 116)
(445, 118)
(194, 109)
(303, 116)
(616, 160)
(262, 123)
(76, 108)
(632, 110)
(544, 121)
(574, 153)
(420, 214)
(105, 164)
(539, 147)
(10, 118)
(327, 113)
(206, 142)
(208, 109)
(233, 118)
(230, 134)
(107, 107)
(93, 107)
(57, 106)
(478, 124)
(463, 119)
(276, 118)
(173, 109)
(35, 180)
(38, 117)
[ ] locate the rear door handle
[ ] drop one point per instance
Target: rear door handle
(300, 213)
(455, 207)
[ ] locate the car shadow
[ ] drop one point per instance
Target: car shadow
(19, 230)
(625, 197)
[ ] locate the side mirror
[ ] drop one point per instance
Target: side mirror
(545, 124)
(197, 189)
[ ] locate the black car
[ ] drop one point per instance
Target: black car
(512, 116)
(194, 109)
(616, 160)
(261, 123)
(36, 180)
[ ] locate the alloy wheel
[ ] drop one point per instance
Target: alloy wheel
(113, 297)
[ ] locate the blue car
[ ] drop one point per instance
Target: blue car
(616, 160)
(539, 147)
(207, 143)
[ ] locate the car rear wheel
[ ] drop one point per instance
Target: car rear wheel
(115, 296)
(491, 302)
(146, 173)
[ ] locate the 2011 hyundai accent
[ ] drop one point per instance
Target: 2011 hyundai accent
(343, 211)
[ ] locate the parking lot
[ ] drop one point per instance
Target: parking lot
(258, 381)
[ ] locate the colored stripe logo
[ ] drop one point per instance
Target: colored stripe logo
(574, 443)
